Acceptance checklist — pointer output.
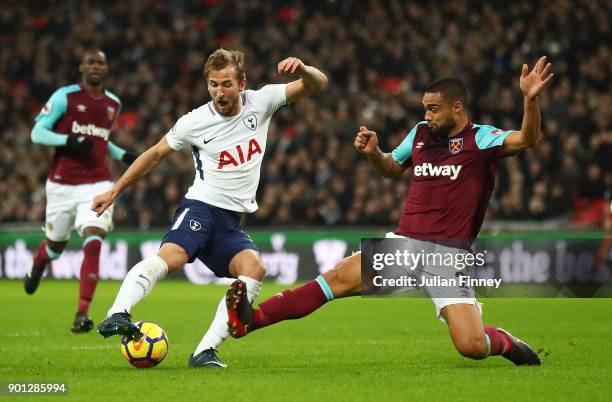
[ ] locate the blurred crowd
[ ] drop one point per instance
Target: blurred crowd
(379, 55)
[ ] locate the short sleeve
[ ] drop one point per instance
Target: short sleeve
(177, 136)
(272, 97)
(403, 152)
(491, 139)
(53, 110)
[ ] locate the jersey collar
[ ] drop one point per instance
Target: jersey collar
(464, 131)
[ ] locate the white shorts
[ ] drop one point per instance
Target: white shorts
(69, 206)
(431, 291)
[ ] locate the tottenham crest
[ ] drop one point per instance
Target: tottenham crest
(195, 225)
(455, 145)
(250, 120)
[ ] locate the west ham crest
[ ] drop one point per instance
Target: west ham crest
(455, 145)
(250, 120)
(110, 112)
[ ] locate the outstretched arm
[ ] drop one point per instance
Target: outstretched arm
(531, 83)
(366, 142)
(146, 162)
(120, 154)
(311, 79)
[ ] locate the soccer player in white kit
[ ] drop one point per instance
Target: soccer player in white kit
(227, 137)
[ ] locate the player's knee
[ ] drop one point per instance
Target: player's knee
(248, 263)
(94, 231)
(255, 269)
(57, 246)
(176, 258)
(341, 281)
(471, 347)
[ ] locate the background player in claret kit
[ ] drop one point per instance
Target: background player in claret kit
(438, 206)
(77, 120)
(228, 139)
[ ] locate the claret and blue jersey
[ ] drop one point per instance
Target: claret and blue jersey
(72, 110)
(453, 179)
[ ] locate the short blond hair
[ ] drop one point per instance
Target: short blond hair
(222, 58)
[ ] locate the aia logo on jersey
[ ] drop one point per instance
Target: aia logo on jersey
(250, 120)
(226, 157)
(111, 112)
(455, 145)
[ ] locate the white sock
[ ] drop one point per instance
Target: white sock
(253, 287)
(218, 331)
(138, 283)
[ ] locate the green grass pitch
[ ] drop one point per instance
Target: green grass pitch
(352, 349)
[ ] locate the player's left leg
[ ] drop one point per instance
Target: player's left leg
(343, 280)
(476, 341)
(248, 267)
(466, 330)
(93, 229)
(89, 276)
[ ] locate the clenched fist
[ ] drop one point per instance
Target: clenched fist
(366, 141)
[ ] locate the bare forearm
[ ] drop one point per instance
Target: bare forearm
(313, 78)
(145, 163)
(384, 164)
(530, 128)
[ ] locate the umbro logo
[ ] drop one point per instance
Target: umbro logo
(206, 142)
(81, 108)
(419, 145)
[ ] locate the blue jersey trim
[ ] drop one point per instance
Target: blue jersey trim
(52, 254)
(196, 155)
(403, 152)
(112, 96)
(55, 107)
(115, 151)
(53, 110)
(325, 287)
(91, 238)
(43, 136)
(489, 136)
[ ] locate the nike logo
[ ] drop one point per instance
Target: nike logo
(145, 278)
(138, 345)
(206, 142)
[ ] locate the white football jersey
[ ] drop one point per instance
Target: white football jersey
(228, 151)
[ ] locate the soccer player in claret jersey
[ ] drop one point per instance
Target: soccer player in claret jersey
(227, 137)
(441, 204)
(77, 120)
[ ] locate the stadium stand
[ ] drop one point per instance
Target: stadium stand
(379, 57)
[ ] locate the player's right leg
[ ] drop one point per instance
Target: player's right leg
(476, 341)
(180, 245)
(48, 251)
(59, 217)
(137, 285)
(344, 280)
